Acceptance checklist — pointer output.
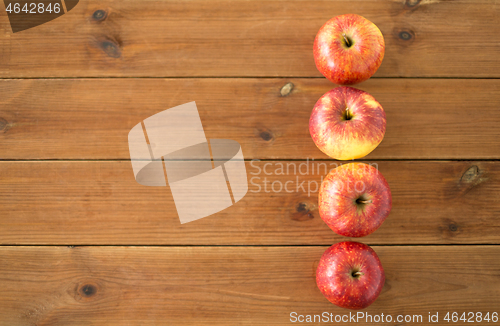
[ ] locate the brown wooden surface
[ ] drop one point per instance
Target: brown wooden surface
(228, 286)
(250, 38)
(90, 119)
(100, 203)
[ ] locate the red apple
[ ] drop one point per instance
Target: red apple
(348, 49)
(354, 199)
(347, 123)
(350, 275)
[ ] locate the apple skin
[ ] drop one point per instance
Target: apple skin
(343, 64)
(347, 123)
(334, 275)
(354, 199)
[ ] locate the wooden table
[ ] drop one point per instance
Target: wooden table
(83, 244)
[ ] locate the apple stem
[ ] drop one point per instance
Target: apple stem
(365, 201)
(346, 40)
(347, 114)
(357, 274)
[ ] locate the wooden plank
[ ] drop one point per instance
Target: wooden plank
(90, 119)
(78, 203)
(229, 286)
(169, 38)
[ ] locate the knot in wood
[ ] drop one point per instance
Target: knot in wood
(287, 89)
(99, 15)
(111, 48)
(471, 174)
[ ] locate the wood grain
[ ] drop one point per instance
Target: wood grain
(91, 118)
(428, 38)
(253, 263)
(229, 286)
(79, 203)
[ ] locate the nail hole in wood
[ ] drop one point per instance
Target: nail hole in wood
(88, 290)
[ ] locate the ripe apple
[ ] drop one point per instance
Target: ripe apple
(347, 123)
(350, 275)
(348, 49)
(354, 199)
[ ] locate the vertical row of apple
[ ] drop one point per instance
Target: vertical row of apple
(346, 124)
